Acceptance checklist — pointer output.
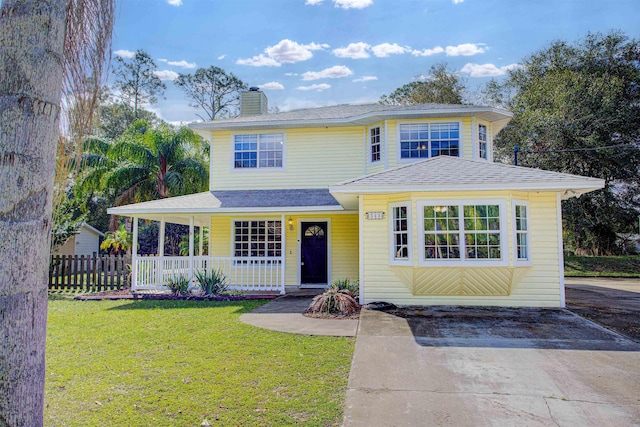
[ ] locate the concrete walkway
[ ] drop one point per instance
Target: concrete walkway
(284, 314)
(485, 367)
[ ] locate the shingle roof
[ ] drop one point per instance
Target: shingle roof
(354, 114)
(453, 173)
(225, 201)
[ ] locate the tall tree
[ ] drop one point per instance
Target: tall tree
(440, 86)
(572, 101)
(40, 42)
(213, 90)
(136, 80)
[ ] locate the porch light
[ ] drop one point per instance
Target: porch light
(290, 222)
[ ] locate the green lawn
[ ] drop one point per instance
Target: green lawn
(595, 266)
(177, 363)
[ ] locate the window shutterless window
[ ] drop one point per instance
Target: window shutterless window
(482, 141)
(400, 224)
(465, 232)
(375, 144)
(521, 215)
(423, 140)
(257, 238)
(258, 150)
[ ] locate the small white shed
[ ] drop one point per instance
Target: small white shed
(85, 242)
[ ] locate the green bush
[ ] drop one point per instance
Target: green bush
(212, 283)
(347, 284)
(334, 301)
(179, 285)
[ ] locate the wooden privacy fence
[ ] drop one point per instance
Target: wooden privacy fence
(89, 273)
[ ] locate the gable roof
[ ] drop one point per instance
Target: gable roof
(351, 115)
(446, 173)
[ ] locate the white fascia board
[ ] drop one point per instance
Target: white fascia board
(134, 212)
(576, 186)
(361, 119)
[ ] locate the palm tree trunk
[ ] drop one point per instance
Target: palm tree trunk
(31, 57)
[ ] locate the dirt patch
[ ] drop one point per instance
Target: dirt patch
(614, 309)
(354, 316)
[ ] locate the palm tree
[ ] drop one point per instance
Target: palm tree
(146, 163)
(42, 44)
(118, 242)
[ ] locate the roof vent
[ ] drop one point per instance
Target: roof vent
(253, 103)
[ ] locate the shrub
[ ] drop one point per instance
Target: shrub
(213, 283)
(334, 301)
(347, 284)
(179, 285)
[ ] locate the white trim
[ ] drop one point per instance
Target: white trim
(361, 281)
(278, 209)
(369, 117)
(283, 250)
(329, 263)
(233, 169)
(490, 142)
(474, 140)
(386, 145)
(463, 261)
(210, 139)
(134, 255)
(370, 148)
(477, 138)
(232, 243)
(514, 241)
(364, 150)
(191, 249)
(392, 259)
(563, 303)
(399, 124)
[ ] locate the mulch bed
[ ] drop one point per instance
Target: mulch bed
(128, 295)
(354, 316)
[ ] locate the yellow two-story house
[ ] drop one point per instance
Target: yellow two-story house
(407, 199)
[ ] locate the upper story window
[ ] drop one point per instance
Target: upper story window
(258, 150)
(482, 141)
(423, 140)
(375, 144)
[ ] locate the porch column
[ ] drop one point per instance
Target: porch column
(191, 231)
(283, 251)
(200, 243)
(210, 252)
(134, 255)
(160, 259)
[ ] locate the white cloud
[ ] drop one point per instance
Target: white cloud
(291, 74)
(313, 2)
(335, 72)
(365, 79)
(286, 51)
(486, 70)
(466, 49)
(385, 49)
(457, 1)
(221, 57)
(353, 51)
(163, 60)
(124, 53)
(166, 74)
(259, 61)
(352, 4)
(174, 2)
(183, 64)
(319, 87)
(271, 86)
(427, 52)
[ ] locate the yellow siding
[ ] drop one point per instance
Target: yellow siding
(535, 285)
(343, 258)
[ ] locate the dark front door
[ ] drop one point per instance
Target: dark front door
(314, 253)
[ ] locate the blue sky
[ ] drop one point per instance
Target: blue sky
(309, 53)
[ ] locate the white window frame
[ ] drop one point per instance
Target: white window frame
(370, 145)
(429, 122)
(514, 230)
(257, 168)
(249, 220)
(392, 251)
(480, 142)
(463, 261)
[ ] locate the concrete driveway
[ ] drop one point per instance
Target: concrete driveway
(491, 367)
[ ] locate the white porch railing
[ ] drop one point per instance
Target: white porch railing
(242, 273)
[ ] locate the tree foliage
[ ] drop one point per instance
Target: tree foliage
(136, 80)
(114, 118)
(213, 90)
(117, 242)
(440, 86)
(570, 101)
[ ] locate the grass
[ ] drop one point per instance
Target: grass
(177, 363)
(602, 266)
